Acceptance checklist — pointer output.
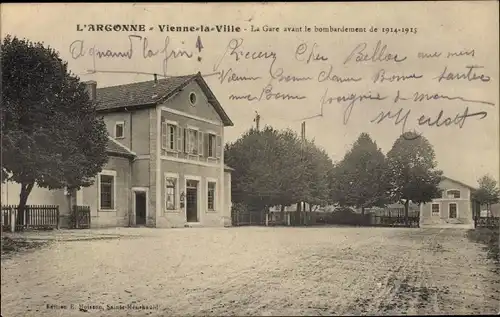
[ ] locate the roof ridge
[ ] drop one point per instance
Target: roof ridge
(459, 182)
(162, 78)
(122, 146)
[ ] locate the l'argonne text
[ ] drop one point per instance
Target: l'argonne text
(220, 28)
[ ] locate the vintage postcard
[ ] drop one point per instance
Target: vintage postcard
(250, 159)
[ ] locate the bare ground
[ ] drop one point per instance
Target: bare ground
(256, 271)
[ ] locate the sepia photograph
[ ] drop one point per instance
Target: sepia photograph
(250, 159)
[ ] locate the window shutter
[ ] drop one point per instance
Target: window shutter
(164, 135)
(206, 136)
(200, 143)
(186, 140)
(218, 147)
(179, 139)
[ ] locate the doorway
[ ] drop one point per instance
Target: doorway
(140, 208)
(192, 201)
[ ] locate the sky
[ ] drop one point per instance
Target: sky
(305, 72)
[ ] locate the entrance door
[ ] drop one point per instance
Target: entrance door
(140, 208)
(192, 201)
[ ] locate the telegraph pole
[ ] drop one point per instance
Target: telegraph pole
(300, 204)
(303, 131)
(257, 120)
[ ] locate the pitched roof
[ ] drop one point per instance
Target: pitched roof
(115, 148)
(459, 182)
(149, 94)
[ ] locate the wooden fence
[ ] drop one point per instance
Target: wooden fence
(35, 217)
(80, 217)
(248, 217)
(382, 218)
(487, 222)
(395, 218)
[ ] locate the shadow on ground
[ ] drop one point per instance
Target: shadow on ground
(13, 246)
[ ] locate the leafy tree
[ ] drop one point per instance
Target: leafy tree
(254, 163)
(51, 135)
(361, 177)
(319, 167)
(276, 168)
(488, 193)
(412, 170)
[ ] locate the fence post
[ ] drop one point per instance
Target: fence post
(12, 214)
(58, 220)
(75, 215)
(25, 220)
(267, 219)
(288, 217)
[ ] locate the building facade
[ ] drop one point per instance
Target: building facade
(453, 209)
(166, 157)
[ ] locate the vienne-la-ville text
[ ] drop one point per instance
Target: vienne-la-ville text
(220, 28)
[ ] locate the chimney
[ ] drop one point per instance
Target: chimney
(156, 78)
(92, 89)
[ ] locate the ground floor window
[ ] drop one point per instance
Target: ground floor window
(170, 193)
(211, 196)
(435, 209)
(107, 191)
(453, 210)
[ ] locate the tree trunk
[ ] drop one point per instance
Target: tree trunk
(298, 213)
(23, 198)
(407, 205)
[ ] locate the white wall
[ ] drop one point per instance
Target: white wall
(38, 196)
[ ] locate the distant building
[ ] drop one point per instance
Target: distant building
(453, 209)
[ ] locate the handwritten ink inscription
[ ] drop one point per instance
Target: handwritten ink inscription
(338, 76)
(79, 49)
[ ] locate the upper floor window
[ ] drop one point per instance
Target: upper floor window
(119, 130)
(212, 146)
(191, 141)
(170, 136)
(453, 193)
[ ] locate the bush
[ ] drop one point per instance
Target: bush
(347, 216)
(488, 237)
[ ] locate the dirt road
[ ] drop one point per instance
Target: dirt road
(255, 271)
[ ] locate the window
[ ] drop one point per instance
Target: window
(211, 145)
(170, 184)
(452, 210)
(192, 98)
(453, 193)
(192, 141)
(172, 133)
(435, 209)
(119, 130)
(107, 191)
(169, 136)
(211, 196)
